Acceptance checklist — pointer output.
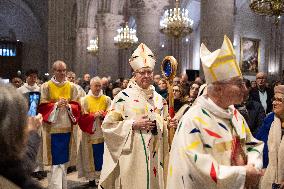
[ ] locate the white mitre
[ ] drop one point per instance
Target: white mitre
(221, 64)
(142, 57)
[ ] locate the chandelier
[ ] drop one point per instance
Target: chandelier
(176, 22)
(126, 37)
(268, 8)
(93, 48)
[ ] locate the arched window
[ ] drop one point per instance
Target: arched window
(8, 48)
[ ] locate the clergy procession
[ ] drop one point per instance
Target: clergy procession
(145, 132)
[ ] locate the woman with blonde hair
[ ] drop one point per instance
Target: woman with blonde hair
(163, 88)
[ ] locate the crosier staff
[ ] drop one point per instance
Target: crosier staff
(169, 69)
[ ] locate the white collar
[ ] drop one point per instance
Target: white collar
(90, 93)
(148, 92)
(53, 79)
(209, 105)
(31, 87)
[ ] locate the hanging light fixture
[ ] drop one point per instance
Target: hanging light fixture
(176, 22)
(268, 8)
(126, 37)
(93, 48)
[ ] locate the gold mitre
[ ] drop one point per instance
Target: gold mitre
(142, 57)
(220, 64)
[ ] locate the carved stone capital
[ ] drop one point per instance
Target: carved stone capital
(149, 6)
(109, 21)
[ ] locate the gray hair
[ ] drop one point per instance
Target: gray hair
(95, 80)
(57, 63)
(13, 118)
(217, 87)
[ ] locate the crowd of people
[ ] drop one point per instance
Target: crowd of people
(115, 134)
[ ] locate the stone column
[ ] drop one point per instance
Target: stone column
(85, 63)
(61, 31)
(282, 49)
(217, 19)
(147, 16)
(125, 70)
(108, 53)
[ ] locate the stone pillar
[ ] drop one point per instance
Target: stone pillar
(108, 53)
(147, 16)
(217, 20)
(125, 70)
(281, 48)
(61, 37)
(85, 63)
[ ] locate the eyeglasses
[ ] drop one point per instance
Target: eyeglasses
(261, 78)
(145, 72)
(281, 100)
(61, 70)
(176, 90)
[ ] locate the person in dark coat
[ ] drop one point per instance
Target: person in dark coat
(251, 110)
(178, 97)
(85, 83)
(262, 93)
(13, 139)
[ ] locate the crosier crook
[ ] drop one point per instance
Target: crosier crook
(169, 68)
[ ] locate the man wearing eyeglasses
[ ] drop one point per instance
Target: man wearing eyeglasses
(135, 131)
(262, 93)
(213, 147)
(60, 112)
(274, 174)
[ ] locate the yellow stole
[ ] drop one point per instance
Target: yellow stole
(96, 103)
(56, 92)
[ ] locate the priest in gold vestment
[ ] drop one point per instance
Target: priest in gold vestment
(60, 111)
(91, 148)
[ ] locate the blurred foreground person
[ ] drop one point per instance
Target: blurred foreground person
(213, 147)
(14, 132)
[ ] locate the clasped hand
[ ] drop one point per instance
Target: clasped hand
(99, 113)
(143, 123)
(62, 103)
